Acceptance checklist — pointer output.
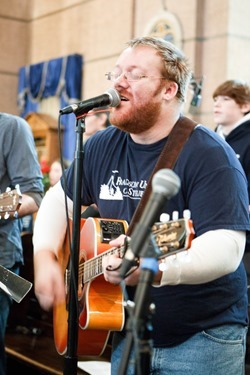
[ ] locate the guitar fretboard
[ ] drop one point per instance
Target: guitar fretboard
(93, 267)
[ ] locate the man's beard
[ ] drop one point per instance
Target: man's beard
(137, 120)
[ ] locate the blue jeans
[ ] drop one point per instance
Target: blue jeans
(216, 351)
(5, 304)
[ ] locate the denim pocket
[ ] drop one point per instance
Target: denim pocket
(228, 333)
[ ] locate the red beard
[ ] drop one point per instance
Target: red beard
(136, 120)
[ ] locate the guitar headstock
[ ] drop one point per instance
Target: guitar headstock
(173, 236)
(10, 201)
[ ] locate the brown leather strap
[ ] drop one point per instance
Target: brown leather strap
(167, 159)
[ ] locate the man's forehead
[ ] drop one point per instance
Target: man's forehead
(138, 56)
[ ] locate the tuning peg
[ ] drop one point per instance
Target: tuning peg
(6, 215)
(187, 214)
(8, 189)
(164, 218)
(175, 215)
(17, 187)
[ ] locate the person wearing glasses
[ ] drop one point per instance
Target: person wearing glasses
(200, 319)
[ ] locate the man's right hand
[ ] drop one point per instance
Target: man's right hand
(49, 283)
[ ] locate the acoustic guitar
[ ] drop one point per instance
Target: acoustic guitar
(101, 307)
(12, 284)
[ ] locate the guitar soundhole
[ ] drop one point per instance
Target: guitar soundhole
(111, 230)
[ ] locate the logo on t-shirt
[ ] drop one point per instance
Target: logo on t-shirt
(118, 188)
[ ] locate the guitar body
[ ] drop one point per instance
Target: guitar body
(102, 307)
(100, 303)
(90, 343)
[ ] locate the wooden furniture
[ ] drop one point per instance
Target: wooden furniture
(45, 131)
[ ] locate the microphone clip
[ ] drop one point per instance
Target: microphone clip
(197, 89)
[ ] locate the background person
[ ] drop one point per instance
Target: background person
(232, 117)
(55, 172)
(18, 166)
(95, 122)
(201, 317)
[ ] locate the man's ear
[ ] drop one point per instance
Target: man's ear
(171, 90)
(245, 108)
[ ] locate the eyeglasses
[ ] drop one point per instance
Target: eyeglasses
(129, 76)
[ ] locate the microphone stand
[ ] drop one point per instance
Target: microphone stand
(139, 324)
(70, 362)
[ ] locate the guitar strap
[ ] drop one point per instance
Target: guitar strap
(167, 159)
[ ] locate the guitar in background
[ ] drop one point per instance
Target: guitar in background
(12, 284)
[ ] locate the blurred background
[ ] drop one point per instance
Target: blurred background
(55, 52)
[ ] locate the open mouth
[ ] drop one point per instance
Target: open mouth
(124, 99)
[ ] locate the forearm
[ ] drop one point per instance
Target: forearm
(51, 221)
(212, 255)
(28, 206)
(48, 239)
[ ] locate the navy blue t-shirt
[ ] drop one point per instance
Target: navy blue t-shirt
(213, 188)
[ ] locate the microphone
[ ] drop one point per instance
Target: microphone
(110, 98)
(165, 184)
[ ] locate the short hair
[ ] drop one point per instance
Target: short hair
(175, 63)
(238, 90)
